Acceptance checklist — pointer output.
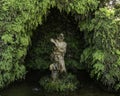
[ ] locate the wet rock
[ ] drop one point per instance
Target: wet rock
(36, 89)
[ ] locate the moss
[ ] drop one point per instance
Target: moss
(64, 84)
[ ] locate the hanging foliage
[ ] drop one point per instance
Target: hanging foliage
(102, 57)
(17, 19)
(38, 56)
(101, 27)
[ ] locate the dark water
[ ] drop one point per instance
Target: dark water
(28, 88)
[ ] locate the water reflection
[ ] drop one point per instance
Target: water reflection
(30, 87)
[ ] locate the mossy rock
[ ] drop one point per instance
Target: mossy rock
(66, 83)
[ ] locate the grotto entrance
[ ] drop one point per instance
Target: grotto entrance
(38, 57)
(54, 23)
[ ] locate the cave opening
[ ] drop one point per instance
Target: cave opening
(56, 22)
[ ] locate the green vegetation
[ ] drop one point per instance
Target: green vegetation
(99, 23)
(39, 53)
(17, 20)
(103, 55)
(67, 83)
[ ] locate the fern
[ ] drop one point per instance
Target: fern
(98, 55)
(101, 27)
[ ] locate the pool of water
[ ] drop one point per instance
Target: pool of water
(32, 88)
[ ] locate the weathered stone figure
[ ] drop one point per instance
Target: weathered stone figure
(58, 55)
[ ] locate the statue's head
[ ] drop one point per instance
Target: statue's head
(61, 37)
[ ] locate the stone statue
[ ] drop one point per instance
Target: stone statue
(57, 56)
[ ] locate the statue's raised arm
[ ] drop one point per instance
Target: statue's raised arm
(59, 43)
